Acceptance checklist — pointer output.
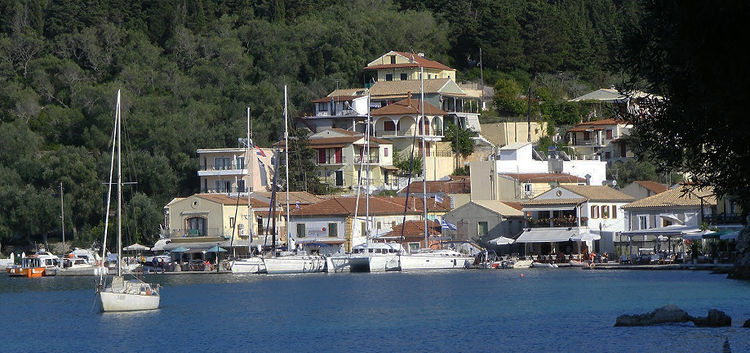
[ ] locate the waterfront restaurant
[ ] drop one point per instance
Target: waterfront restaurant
(573, 218)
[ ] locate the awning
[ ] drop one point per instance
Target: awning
(546, 235)
(730, 235)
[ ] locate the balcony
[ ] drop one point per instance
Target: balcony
(366, 159)
(212, 170)
(559, 222)
(331, 161)
(723, 218)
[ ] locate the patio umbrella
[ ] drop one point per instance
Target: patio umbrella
(502, 241)
(135, 247)
(697, 235)
(180, 249)
(730, 235)
(585, 237)
(216, 248)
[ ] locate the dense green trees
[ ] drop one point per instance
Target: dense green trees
(189, 69)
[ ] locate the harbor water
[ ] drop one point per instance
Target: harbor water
(560, 310)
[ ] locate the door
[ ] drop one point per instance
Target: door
(321, 156)
(338, 155)
(339, 178)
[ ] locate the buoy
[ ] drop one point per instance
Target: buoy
(522, 275)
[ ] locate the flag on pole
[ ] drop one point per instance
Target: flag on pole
(438, 199)
(447, 225)
(259, 152)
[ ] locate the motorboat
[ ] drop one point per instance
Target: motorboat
(543, 265)
(375, 257)
(441, 259)
(299, 262)
(338, 263)
(252, 264)
(80, 262)
(36, 265)
(516, 264)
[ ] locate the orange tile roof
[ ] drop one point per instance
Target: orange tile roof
(301, 197)
(419, 61)
(599, 193)
(408, 107)
(680, 196)
(456, 185)
(345, 206)
(545, 177)
(414, 229)
(652, 186)
(595, 125)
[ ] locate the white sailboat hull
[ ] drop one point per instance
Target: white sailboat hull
(113, 301)
(295, 264)
(249, 265)
(376, 263)
(337, 264)
(416, 262)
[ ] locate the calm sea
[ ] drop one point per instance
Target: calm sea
(563, 310)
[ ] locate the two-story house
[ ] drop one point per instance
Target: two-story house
(340, 221)
(526, 186)
(342, 159)
(602, 138)
(566, 211)
(484, 220)
(225, 170)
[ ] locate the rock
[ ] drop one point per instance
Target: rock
(663, 315)
(747, 324)
(715, 318)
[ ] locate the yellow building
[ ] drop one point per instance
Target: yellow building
(396, 65)
(224, 170)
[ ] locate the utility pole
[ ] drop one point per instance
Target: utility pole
(528, 113)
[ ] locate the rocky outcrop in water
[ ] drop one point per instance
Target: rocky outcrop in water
(747, 324)
(715, 318)
(663, 315)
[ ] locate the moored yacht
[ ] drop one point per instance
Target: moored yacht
(252, 264)
(435, 260)
(295, 263)
(375, 257)
(37, 265)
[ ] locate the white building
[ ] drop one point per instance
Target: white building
(522, 158)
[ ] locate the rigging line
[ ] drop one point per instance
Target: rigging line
(408, 186)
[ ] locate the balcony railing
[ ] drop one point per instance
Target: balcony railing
(331, 161)
(561, 222)
(192, 233)
(372, 159)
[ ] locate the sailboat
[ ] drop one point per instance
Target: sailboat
(372, 256)
(292, 261)
(252, 264)
(121, 294)
(427, 258)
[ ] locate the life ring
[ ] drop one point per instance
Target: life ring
(148, 291)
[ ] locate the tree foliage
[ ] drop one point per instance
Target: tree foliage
(681, 51)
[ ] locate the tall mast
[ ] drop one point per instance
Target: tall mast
(289, 240)
(119, 186)
(367, 172)
(109, 183)
(251, 158)
(62, 215)
(424, 155)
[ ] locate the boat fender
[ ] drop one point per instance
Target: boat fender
(148, 292)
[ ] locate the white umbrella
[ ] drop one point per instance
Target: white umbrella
(135, 247)
(585, 237)
(696, 235)
(502, 241)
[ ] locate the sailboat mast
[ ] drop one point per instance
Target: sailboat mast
(367, 171)
(289, 240)
(424, 156)
(62, 215)
(119, 186)
(109, 183)
(251, 158)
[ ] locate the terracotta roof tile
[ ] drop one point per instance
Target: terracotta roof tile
(401, 88)
(595, 125)
(419, 61)
(456, 185)
(652, 186)
(676, 197)
(408, 107)
(414, 229)
(599, 193)
(345, 206)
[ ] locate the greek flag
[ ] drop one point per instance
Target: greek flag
(447, 225)
(438, 199)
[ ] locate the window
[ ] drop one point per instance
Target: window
(388, 77)
(404, 77)
(222, 163)
(321, 156)
(413, 246)
(605, 211)
(586, 135)
(333, 230)
(323, 107)
(482, 228)
(300, 230)
(609, 134)
(231, 222)
(195, 226)
(527, 187)
(378, 225)
(385, 151)
(241, 185)
(240, 162)
(339, 178)
(607, 155)
(642, 222)
(393, 59)
(594, 211)
(389, 126)
(614, 211)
